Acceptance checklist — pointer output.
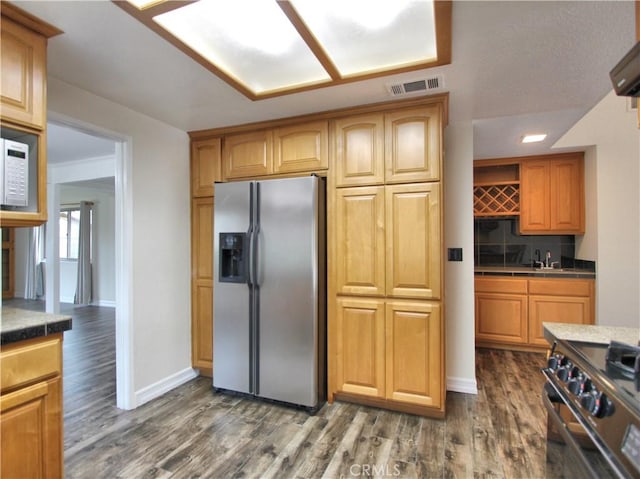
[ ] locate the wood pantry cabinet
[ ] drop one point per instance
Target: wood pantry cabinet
(383, 164)
(23, 103)
(390, 350)
(510, 311)
(31, 427)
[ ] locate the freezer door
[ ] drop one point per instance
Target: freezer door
(231, 299)
(288, 277)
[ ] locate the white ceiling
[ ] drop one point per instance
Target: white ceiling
(517, 67)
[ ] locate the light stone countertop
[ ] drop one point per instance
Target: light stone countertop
(20, 324)
(591, 333)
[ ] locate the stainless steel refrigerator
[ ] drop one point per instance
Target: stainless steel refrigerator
(269, 289)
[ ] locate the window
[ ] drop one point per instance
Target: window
(70, 232)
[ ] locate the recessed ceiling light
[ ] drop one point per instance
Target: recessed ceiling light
(534, 138)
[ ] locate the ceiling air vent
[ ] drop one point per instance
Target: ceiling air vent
(418, 86)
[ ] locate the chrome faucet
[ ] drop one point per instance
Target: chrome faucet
(547, 259)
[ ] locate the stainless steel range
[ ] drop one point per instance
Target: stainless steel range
(592, 397)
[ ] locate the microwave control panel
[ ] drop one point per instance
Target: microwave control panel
(14, 187)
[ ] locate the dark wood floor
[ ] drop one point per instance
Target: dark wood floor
(193, 432)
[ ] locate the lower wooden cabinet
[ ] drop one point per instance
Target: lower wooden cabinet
(391, 352)
(509, 312)
(31, 424)
(202, 285)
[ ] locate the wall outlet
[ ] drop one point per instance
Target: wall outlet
(455, 254)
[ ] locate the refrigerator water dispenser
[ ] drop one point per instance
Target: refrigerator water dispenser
(233, 253)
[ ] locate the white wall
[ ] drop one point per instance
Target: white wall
(157, 246)
(458, 233)
(612, 129)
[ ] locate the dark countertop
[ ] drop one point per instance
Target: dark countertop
(524, 271)
(20, 324)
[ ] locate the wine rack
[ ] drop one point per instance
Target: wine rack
(496, 199)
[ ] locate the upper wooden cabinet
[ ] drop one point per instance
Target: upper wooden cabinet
(24, 75)
(205, 166)
(413, 144)
(358, 155)
(552, 195)
(247, 155)
(23, 104)
(301, 148)
(398, 147)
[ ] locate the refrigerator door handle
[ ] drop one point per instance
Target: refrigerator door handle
(250, 235)
(256, 239)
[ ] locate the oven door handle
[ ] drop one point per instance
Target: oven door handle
(563, 429)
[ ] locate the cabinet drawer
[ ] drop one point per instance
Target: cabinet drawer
(561, 287)
(501, 285)
(30, 361)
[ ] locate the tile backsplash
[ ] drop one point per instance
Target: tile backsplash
(498, 243)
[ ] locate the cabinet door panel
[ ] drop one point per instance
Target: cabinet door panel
(23, 75)
(360, 264)
(413, 241)
(501, 317)
(301, 147)
(205, 166)
(413, 145)
(534, 197)
(360, 346)
(414, 361)
(359, 150)
(202, 285)
(248, 154)
(556, 309)
(567, 195)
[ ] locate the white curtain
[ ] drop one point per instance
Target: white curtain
(84, 288)
(34, 275)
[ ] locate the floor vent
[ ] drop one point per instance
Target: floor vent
(417, 86)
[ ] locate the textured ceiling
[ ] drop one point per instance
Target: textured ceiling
(515, 65)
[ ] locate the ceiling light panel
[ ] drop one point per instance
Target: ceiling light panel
(250, 40)
(534, 138)
(372, 35)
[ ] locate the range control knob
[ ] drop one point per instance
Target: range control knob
(597, 403)
(563, 372)
(554, 361)
(576, 382)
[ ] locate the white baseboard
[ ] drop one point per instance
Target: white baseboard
(105, 303)
(462, 385)
(161, 387)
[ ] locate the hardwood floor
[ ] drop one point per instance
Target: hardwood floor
(193, 432)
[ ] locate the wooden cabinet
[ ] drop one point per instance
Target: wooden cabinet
(390, 350)
(406, 144)
(360, 253)
(202, 285)
(23, 104)
(414, 241)
(301, 148)
(360, 351)
(561, 301)
(24, 75)
(205, 166)
(248, 155)
(8, 262)
(413, 145)
(552, 195)
(510, 311)
(358, 155)
(31, 427)
(501, 310)
(414, 353)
